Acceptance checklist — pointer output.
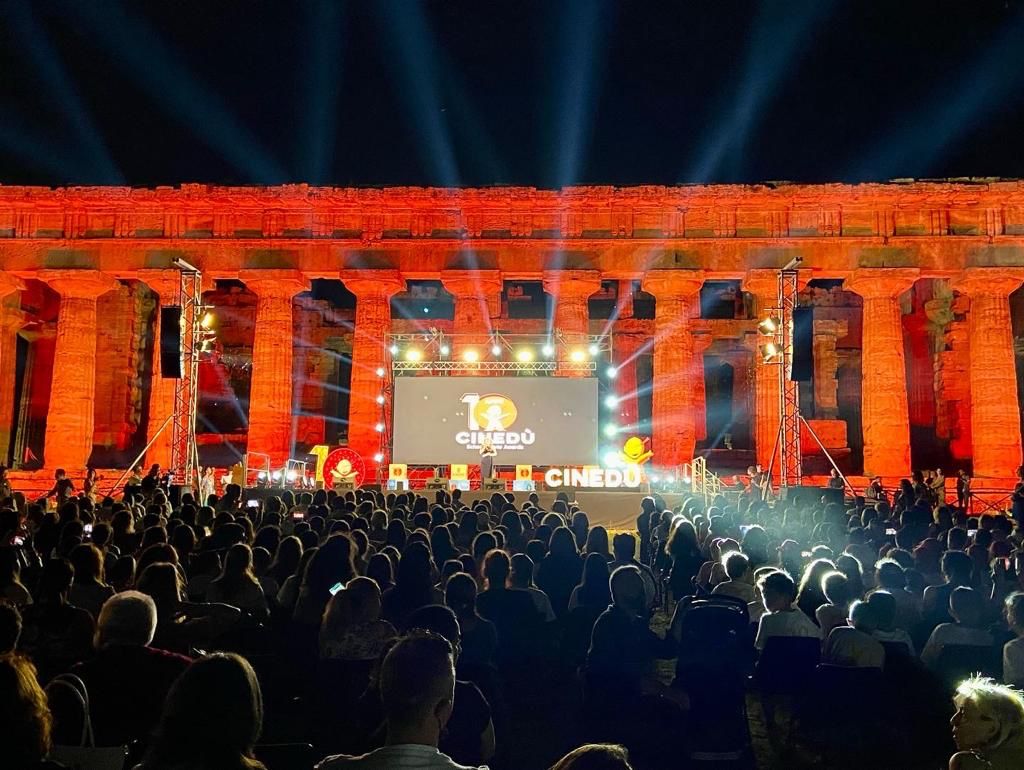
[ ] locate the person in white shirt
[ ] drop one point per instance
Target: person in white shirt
(417, 688)
(781, 618)
(737, 584)
(965, 606)
(853, 645)
(1013, 651)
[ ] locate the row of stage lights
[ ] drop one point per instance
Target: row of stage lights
(522, 353)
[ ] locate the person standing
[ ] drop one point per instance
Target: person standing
(487, 455)
(963, 489)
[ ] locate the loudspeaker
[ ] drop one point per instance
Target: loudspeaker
(803, 344)
(493, 485)
(170, 342)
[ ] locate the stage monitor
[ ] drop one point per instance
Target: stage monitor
(530, 420)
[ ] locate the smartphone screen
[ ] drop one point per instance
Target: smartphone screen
(890, 531)
(252, 503)
(298, 515)
(335, 588)
(972, 532)
(87, 529)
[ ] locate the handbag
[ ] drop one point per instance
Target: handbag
(87, 755)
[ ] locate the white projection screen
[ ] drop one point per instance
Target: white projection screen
(530, 420)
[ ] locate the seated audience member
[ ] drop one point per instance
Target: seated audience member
(595, 756)
(967, 610)
(89, 589)
(468, 737)
(521, 578)
(414, 585)
(853, 645)
(182, 625)
(27, 722)
(352, 627)
(886, 631)
(1013, 651)
(624, 550)
(836, 587)
(212, 718)
(593, 588)
(511, 610)
(417, 691)
(127, 681)
(237, 584)
(891, 577)
(737, 582)
(988, 727)
(809, 594)
(781, 618)
(56, 634)
(10, 627)
(11, 587)
(479, 636)
(559, 571)
(957, 569)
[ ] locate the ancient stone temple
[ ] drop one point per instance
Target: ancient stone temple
(913, 290)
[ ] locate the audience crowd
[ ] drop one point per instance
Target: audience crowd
(379, 630)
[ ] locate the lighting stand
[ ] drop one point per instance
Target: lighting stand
(184, 453)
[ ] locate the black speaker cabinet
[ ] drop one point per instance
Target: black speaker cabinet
(170, 342)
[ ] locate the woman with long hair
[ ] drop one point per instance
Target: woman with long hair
(414, 586)
(593, 589)
(684, 550)
(211, 720)
(237, 584)
(333, 565)
(352, 628)
(25, 730)
(560, 570)
(810, 595)
(286, 559)
(90, 589)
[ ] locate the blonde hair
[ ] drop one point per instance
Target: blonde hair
(999, 702)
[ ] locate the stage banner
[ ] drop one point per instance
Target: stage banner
(524, 472)
(459, 472)
(398, 472)
(528, 420)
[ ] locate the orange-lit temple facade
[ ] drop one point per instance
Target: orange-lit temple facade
(914, 290)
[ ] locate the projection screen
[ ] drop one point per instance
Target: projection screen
(530, 420)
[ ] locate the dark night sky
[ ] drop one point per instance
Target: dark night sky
(483, 92)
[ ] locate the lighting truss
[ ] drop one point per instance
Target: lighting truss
(790, 458)
(491, 367)
(184, 453)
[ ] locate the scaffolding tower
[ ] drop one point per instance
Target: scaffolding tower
(184, 453)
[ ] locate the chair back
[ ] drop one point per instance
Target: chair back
(714, 639)
(70, 692)
(787, 663)
(961, 661)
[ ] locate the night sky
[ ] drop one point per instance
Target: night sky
(482, 92)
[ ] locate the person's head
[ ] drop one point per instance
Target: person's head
(563, 543)
(58, 575)
(127, 619)
(238, 563)
(778, 591)
(597, 541)
(212, 717)
(88, 563)
(890, 575)
(988, 715)
(417, 685)
(883, 604)
(27, 722)
(162, 583)
(595, 756)
(957, 567)
(10, 627)
(836, 588)
(440, 620)
(862, 617)
(496, 569)
(627, 590)
(460, 594)
(624, 546)
(966, 607)
(736, 565)
(1013, 610)
(522, 571)
(813, 573)
(358, 602)
(334, 562)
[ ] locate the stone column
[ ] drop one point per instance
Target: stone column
(763, 285)
(826, 362)
(71, 413)
(165, 284)
(625, 349)
(884, 411)
(995, 414)
(11, 319)
(701, 342)
(374, 290)
(270, 390)
(570, 290)
(477, 300)
(677, 293)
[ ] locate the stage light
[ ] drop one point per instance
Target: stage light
(413, 355)
(593, 349)
(470, 356)
(276, 475)
(611, 372)
(670, 479)
(495, 349)
(207, 321)
(578, 356)
(426, 310)
(261, 475)
(548, 350)
(769, 351)
(611, 430)
(378, 457)
(380, 399)
(444, 350)
(769, 325)
(654, 479)
(612, 459)
(524, 355)
(394, 350)
(292, 475)
(380, 371)
(379, 427)
(611, 402)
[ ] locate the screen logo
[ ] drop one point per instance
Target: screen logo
(489, 417)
